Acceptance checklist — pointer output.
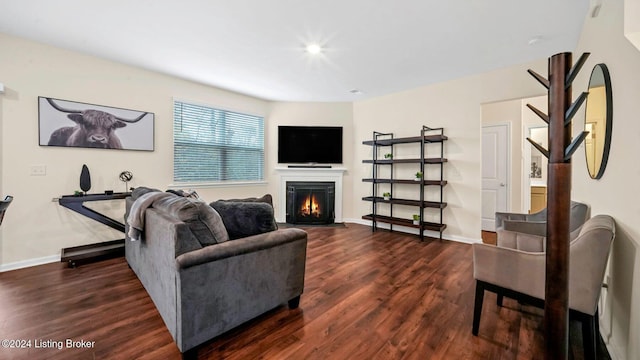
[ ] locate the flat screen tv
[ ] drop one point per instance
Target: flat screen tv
(310, 144)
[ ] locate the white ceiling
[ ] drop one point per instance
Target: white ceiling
(256, 47)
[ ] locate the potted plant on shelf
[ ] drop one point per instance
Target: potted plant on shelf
(388, 156)
(419, 176)
(386, 195)
(416, 219)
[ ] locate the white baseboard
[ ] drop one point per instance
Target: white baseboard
(414, 231)
(30, 262)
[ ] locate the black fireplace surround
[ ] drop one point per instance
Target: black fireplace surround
(310, 202)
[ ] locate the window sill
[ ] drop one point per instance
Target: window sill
(216, 184)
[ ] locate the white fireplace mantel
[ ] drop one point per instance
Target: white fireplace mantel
(333, 174)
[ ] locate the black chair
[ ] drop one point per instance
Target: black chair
(4, 204)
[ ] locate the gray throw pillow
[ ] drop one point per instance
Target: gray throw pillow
(204, 221)
(242, 219)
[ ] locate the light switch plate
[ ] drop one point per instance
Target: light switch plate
(38, 170)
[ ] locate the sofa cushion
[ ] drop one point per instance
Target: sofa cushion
(204, 221)
(242, 219)
(264, 199)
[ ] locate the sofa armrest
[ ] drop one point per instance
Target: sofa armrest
(240, 246)
(224, 285)
(538, 228)
(509, 268)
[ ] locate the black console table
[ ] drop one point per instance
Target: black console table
(98, 251)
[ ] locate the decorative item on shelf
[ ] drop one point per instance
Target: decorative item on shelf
(418, 176)
(125, 177)
(85, 179)
(416, 219)
(388, 156)
(386, 195)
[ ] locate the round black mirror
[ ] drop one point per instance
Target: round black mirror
(598, 121)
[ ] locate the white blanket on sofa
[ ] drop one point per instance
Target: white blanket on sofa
(136, 213)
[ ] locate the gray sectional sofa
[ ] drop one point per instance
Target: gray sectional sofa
(209, 271)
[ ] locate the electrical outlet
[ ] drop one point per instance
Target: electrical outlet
(38, 170)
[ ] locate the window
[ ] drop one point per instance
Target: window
(214, 145)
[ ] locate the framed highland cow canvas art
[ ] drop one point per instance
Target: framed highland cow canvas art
(75, 124)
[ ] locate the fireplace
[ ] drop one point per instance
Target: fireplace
(310, 202)
(286, 174)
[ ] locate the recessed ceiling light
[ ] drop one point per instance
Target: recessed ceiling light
(356, 91)
(314, 49)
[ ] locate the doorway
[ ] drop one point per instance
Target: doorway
(495, 165)
(517, 118)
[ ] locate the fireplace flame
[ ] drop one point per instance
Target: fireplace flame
(310, 206)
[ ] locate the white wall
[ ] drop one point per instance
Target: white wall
(35, 227)
(456, 106)
(311, 114)
(616, 193)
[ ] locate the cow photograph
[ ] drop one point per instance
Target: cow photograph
(74, 124)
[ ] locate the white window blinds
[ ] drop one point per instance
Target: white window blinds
(214, 145)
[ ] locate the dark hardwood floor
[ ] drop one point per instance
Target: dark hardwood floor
(367, 295)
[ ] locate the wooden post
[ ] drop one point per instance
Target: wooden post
(556, 309)
(561, 147)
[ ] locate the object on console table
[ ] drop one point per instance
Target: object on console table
(74, 255)
(85, 179)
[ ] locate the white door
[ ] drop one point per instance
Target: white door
(494, 173)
